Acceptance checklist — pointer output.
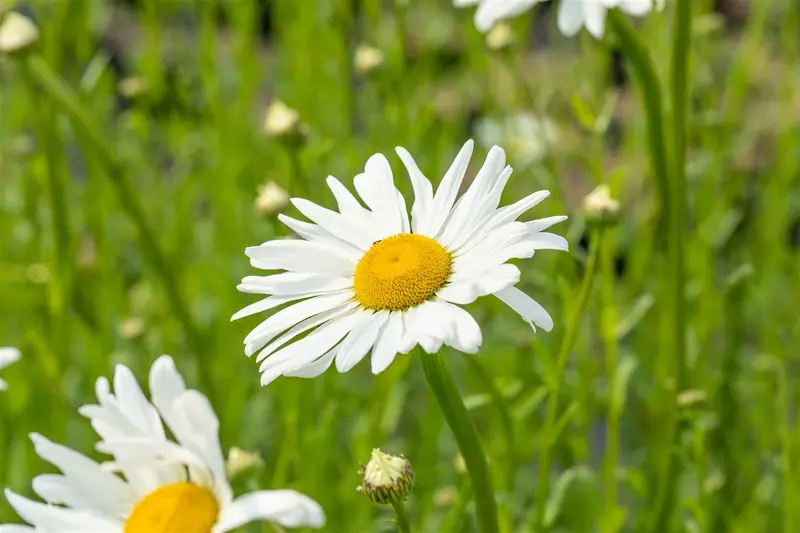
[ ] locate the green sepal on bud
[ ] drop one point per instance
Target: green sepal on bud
(386, 478)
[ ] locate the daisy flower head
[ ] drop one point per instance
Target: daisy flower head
(154, 484)
(8, 356)
(572, 14)
(372, 278)
(490, 12)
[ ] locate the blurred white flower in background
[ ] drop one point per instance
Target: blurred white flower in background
(271, 199)
(168, 485)
(367, 58)
(17, 32)
(527, 137)
(572, 14)
(7, 356)
(373, 279)
(281, 120)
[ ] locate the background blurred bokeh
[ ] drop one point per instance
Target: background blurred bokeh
(180, 90)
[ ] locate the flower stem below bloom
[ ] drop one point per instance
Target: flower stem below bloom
(402, 517)
(444, 389)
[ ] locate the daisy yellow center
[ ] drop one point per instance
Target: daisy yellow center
(401, 271)
(176, 508)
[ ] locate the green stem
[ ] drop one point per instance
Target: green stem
(402, 517)
(444, 389)
(645, 72)
(60, 93)
(609, 329)
(670, 471)
(550, 430)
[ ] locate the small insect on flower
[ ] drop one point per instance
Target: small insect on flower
(166, 486)
(373, 279)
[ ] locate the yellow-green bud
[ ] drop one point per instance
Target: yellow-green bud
(386, 478)
(17, 33)
(600, 207)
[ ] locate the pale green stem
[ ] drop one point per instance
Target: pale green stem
(402, 517)
(550, 429)
(444, 389)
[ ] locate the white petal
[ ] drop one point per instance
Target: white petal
(134, 404)
(549, 241)
(386, 346)
(315, 368)
(84, 484)
(315, 233)
(13, 528)
(8, 356)
(293, 283)
(307, 349)
(448, 189)
(348, 205)
(203, 437)
(571, 17)
(427, 326)
(49, 518)
(490, 12)
(459, 292)
(541, 224)
(636, 7)
(304, 326)
(483, 212)
(530, 310)
(376, 187)
(595, 19)
(303, 256)
(463, 215)
(504, 216)
(498, 279)
(423, 192)
(465, 334)
(360, 340)
(286, 318)
(285, 507)
(344, 228)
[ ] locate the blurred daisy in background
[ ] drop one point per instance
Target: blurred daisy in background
(8, 356)
(166, 486)
(527, 137)
(572, 14)
(373, 279)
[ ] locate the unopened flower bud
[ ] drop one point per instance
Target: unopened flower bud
(271, 199)
(17, 32)
(367, 58)
(283, 121)
(387, 478)
(599, 206)
(241, 460)
(500, 36)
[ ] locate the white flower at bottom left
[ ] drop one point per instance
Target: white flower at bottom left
(154, 484)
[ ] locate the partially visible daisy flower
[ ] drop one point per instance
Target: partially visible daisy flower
(490, 12)
(576, 14)
(8, 356)
(572, 14)
(371, 279)
(166, 486)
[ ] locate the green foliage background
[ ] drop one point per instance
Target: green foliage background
(76, 276)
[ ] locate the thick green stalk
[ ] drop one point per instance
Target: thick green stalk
(402, 517)
(670, 472)
(550, 429)
(444, 389)
(68, 102)
(645, 72)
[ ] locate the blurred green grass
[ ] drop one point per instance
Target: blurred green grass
(194, 148)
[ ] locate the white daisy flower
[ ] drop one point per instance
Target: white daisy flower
(490, 12)
(576, 14)
(572, 14)
(373, 279)
(166, 486)
(8, 356)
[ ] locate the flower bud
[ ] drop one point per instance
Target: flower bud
(367, 58)
(600, 207)
(271, 199)
(500, 36)
(283, 121)
(387, 478)
(17, 32)
(240, 460)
